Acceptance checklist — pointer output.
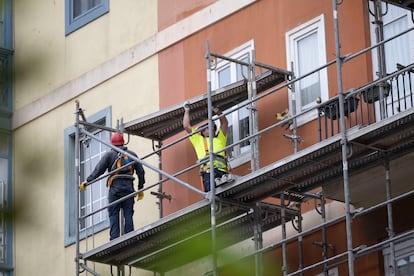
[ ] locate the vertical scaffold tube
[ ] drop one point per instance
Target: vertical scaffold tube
(212, 183)
(343, 142)
(283, 222)
(390, 229)
(77, 173)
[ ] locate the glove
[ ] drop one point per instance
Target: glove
(186, 106)
(140, 196)
(83, 185)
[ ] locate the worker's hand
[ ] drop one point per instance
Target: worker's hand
(83, 185)
(186, 106)
(216, 110)
(140, 196)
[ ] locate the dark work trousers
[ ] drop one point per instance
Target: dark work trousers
(119, 189)
(206, 178)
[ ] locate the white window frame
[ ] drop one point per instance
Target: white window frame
(103, 117)
(73, 23)
(315, 25)
(393, 15)
(96, 195)
(401, 250)
(240, 155)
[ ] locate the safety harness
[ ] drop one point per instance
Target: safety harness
(126, 172)
(205, 167)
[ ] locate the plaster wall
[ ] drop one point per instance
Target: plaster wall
(182, 70)
(46, 58)
(101, 66)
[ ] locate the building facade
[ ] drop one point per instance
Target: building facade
(93, 52)
(318, 95)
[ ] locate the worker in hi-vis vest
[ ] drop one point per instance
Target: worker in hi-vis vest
(201, 143)
(120, 184)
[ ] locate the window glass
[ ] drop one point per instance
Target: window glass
(80, 12)
(397, 20)
(81, 7)
(95, 195)
(309, 86)
(405, 266)
(306, 51)
(404, 258)
(4, 144)
(3, 206)
(227, 73)
(1, 21)
(224, 76)
(5, 82)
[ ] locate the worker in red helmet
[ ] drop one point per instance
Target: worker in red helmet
(117, 139)
(120, 183)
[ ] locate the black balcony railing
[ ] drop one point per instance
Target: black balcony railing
(368, 104)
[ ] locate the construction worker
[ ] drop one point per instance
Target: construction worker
(201, 143)
(120, 184)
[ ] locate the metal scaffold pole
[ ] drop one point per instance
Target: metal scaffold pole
(284, 244)
(390, 228)
(253, 127)
(212, 183)
(382, 71)
(255, 162)
(343, 142)
(77, 174)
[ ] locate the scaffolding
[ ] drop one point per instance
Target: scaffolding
(352, 142)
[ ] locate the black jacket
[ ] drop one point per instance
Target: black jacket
(105, 164)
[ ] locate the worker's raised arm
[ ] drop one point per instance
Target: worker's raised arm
(224, 124)
(186, 118)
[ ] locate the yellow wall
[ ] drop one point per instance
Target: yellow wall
(46, 59)
(96, 65)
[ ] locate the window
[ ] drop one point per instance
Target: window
(306, 52)
(5, 82)
(80, 12)
(397, 51)
(404, 258)
(6, 30)
(5, 204)
(95, 196)
(226, 73)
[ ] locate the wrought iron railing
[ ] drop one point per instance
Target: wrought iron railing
(370, 103)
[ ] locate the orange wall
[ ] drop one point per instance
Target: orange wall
(172, 11)
(182, 76)
(366, 230)
(183, 70)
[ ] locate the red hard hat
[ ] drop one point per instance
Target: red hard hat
(117, 139)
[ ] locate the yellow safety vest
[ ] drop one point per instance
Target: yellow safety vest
(201, 146)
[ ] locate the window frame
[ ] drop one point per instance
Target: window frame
(72, 24)
(393, 15)
(315, 25)
(402, 249)
(241, 155)
(7, 25)
(71, 184)
(6, 156)
(6, 60)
